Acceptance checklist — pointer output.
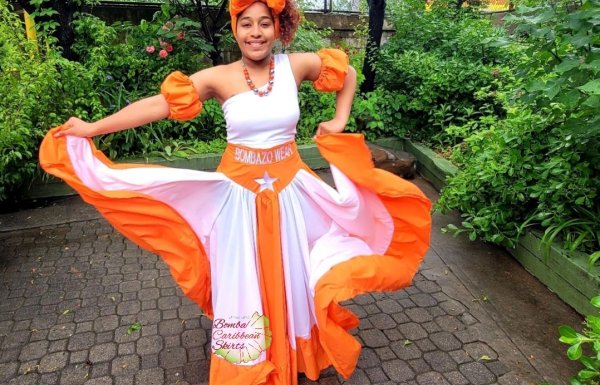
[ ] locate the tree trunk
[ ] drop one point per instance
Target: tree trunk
(376, 15)
(212, 24)
(65, 32)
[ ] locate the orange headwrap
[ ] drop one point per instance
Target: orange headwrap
(238, 6)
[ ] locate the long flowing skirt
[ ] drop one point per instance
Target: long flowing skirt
(263, 246)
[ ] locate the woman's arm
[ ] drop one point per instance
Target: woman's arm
(141, 112)
(343, 106)
(307, 66)
(136, 114)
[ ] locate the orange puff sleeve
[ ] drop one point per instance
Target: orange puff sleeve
(334, 67)
(179, 91)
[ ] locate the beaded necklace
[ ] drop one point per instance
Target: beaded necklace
(271, 78)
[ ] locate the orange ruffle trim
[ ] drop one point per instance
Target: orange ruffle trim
(410, 211)
(151, 224)
(334, 67)
(184, 101)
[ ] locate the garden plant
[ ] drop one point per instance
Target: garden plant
(539, 166)
(589, 338)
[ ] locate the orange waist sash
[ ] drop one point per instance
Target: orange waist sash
(262, 169)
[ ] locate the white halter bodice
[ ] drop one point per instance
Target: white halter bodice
(263, 122)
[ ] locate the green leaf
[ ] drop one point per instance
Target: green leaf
(574, 352)
(595, 301)
(593, 322)
(580, 40)
(592, 87)
(587, 362)
(566, 65)
(593, 101)
(181, 154)
(592, 259)
(535, 85)
(570, 98)
(553, 87)
(586, 374)
(134, 327)
(567, 331)
(575, 381)
(594, 65)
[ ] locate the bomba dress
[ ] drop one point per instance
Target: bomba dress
(262, 245)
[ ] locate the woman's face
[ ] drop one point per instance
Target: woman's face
(255, 32)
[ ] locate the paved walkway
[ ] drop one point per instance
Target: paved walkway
(81, 305)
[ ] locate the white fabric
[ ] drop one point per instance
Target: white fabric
(264, 122)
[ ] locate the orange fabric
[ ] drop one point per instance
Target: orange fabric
(184, 101)
(147, 222)
(226, 373)
(412, 227)
(246, 175)
(311, 358)
(238, 6)
(330, 343)
(334, 67)
(272, 284)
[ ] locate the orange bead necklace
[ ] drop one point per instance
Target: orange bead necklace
(250, 83)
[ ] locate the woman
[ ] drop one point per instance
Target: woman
(264, 247)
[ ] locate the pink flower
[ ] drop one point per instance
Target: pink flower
(169, 47)
(181, 36)
(150, 49)
(163, 43)
(163, 53)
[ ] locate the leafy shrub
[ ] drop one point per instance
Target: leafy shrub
(443, 67)
(590, 336)
(39, 90)
(540, 166)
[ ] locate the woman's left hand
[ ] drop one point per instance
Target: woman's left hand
(330, 127)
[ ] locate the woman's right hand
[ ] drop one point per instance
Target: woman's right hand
(76, 127)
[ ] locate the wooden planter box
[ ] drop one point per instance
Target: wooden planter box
(569, 276)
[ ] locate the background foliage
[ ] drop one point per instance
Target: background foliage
(440, 69)
(40, 89)
(538, 167)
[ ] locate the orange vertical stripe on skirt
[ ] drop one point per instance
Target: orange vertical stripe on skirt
(272, 286)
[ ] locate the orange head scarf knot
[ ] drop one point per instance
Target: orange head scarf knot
(238, 6)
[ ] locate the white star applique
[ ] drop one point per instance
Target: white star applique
(266, 182)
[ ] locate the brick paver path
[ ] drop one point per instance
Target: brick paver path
(81, 305)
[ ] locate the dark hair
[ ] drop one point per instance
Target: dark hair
(289, 19)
